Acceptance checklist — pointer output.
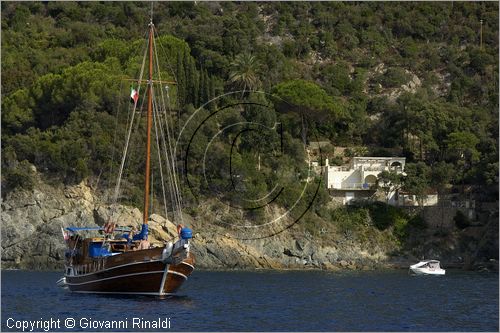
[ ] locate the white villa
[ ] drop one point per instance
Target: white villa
(358, 179)
(362, 173)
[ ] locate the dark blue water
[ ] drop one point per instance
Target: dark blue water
(273, 301)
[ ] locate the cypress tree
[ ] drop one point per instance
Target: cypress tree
(211, 90)
(206, 86)
(181, 79)
(191, 84)
(201, 91)
(196, 89)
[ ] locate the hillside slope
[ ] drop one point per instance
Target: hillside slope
(418, 80)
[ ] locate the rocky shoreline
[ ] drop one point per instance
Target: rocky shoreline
(32, 222)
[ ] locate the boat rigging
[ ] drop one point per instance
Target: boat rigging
(117, 259)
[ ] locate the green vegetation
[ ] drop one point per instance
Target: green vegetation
(350, 220)
(63, 99)
(461, 220)
(389, 181)
(387, 223)
(394, 77)
(19, 176)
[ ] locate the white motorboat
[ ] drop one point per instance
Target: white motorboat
(427, 267)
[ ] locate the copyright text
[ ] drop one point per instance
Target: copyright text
(51, 324)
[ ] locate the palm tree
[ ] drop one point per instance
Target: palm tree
(244, 72)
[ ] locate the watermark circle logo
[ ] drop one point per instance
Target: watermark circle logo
(248, 164)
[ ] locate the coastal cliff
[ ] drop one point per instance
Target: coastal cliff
(32, 239)
(355, 79)
(32, 222)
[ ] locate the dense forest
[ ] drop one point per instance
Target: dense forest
(413, 79)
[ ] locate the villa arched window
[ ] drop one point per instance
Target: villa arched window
(396, 166)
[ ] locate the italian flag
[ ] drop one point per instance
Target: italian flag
(134, 95)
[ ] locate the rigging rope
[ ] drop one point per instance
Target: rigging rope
(125, 149)
(166, 58)
(159, 161)
(163, 140)
(174, 199)
(113, 150)
(170, 150)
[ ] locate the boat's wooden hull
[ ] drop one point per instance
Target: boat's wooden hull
(127, 274)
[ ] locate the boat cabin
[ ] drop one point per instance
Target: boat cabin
(433, 265)
(80, 248)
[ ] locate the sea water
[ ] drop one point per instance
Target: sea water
(388, 300)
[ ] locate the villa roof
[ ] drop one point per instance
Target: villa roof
(378, 158)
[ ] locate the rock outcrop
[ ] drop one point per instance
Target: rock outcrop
(32, 222)
(32, 237)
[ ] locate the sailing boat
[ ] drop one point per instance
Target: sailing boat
(118, 262)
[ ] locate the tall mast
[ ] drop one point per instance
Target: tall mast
(149, 123)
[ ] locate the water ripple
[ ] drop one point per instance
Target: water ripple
(277, 301)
